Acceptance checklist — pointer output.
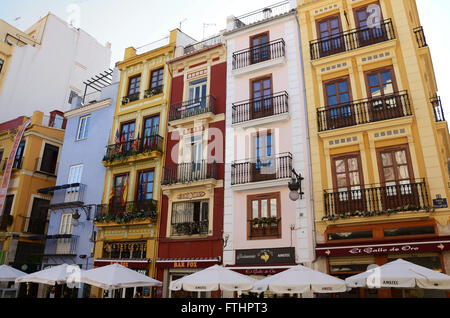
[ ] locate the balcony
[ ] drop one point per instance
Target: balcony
(352, 40)
(68, 195)
(130, 98)
(5, 221)
(267, 106)
(437, 109)
(153, 91)
(119, 213)
(189, 172)
(258, 54)
(61, 245)
(264, 228)
(364, 111)
(374, 200)
(215, 40)
(420, 37)
(122, 150)
(190, 228)
(261, 169)
(124, 251)
(191, 108)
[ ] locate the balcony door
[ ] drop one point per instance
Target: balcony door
(369, 20)
(145, 185)
(193, 167)
(150, 132)
(263, 165)
(126, 137)
(197, 96)
(65, 228)
(38, 216)
(261, 96)
(399, 189)
(259, 48)
(340, 112)
(120, 183)
(348, 182)
(75, 173)
(381, 88)
(329, 32)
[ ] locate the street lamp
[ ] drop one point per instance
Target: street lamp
(296, 186)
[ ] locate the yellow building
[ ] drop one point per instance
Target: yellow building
(379, 141)
(24, 219)
(128, 219)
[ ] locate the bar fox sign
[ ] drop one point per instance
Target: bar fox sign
(9, 165)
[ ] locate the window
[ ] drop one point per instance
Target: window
(190, 218)
(329, 30)
(422, 230)
(259, 45)
(263, 167)
(150, 132)
(83, 127)
(49, 159)
(373, 32)
(75, 173)
(119, 188)
(1, 64)
(395, 166)
(157, 77)
(349, 235)
(5, 217)
(38, 217)
(134, 85)
(126, 136)
(337, 97)
(125, 250)
(261, 94)
(145, 185)
(19, 155)
(66, 226)
(1, 157)
(264, 216)
(381, 82)
(197, 91)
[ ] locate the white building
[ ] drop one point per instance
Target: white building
(47, 72)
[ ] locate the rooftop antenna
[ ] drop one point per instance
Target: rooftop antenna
(182, 22)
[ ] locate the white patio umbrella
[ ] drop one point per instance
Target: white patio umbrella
(116, 276)
(299, 280)
(214, 278)
(9, 274)
(60, 274)
(400, 274)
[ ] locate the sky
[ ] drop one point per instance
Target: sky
(126, 23)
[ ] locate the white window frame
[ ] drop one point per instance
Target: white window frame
(85, 132)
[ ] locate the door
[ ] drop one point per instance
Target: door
(72, 194)
(348, 181)
(339, 110)
(370, 32)
(382, 88)
(261, 92)
(150, 133)
(263, 167)
(259, 48)
(399, 189)
(197, 98)
(331, 40)
(66, 227)
(126, 137)
(38, 218)
(192, 166)
(119, 188)
(146, 185)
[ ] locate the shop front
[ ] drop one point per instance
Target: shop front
(350, 251)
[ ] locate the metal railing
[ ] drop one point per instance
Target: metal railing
(134, 147)
(373, 200)
(189, 172)
(190, 228)
(364, 111)
(420, 37)
(124, 250)
(192, 108)
(261, 169)
(260, 107)
(352, 40)
(262, 229)
(61, 245)
(260, 53)
(44, 166)
(130, 98)
(69, 195)
(118, 212)
(153, 91)
(217, 39)
(437, 109)
(262, 14)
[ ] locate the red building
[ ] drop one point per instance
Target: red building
(191, 220)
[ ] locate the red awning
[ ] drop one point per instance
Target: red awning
(380, 247)
(187, 262)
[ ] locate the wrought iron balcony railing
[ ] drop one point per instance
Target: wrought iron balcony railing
(61, 245)
(372, 200)
(118, 212)
(125, 250)
(352, 40)
(261, 169)
(259, 53)
(420, 37)
(206, 104)
(189, 172)
(190, 228)
(153, 91)
(364, 111)
(133, 147)
(262, 14)
(265, 227)
(203, 44)
(261, 107)
(68, 195)
(437, 109)
(130, 98)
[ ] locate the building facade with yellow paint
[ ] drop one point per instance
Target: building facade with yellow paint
(24, 218)
(127, 220)
(379, 140)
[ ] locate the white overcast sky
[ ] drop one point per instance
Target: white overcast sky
(135, 23)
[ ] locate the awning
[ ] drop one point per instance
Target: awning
(61, 187)
(187, 262)
(133, 264)
(382, 247)
(260, 270)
